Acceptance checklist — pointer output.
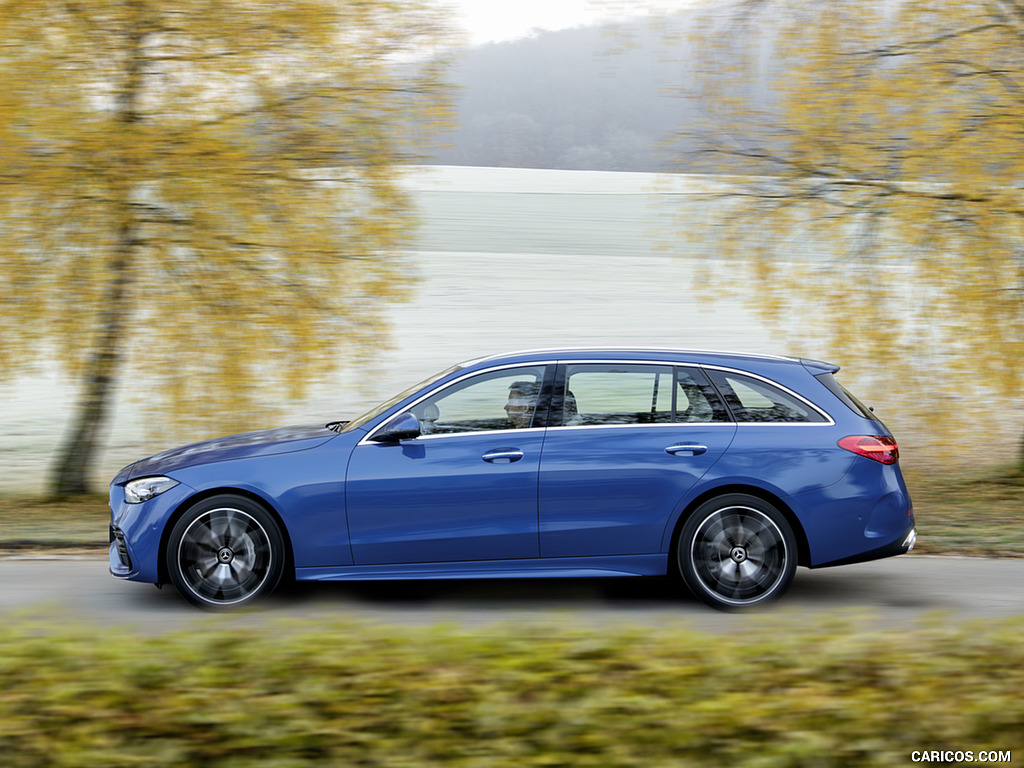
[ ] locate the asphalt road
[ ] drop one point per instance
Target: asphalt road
(897, 592)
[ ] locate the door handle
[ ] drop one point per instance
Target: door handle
(503, 456)
(686, 450)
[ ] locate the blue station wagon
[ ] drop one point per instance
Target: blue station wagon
(725, 470)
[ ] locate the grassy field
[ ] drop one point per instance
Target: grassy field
(74, 522)
(980, 515)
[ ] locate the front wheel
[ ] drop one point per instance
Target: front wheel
(225, 551)
(736, 551)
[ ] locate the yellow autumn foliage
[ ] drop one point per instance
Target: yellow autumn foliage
(203, 194)
(877, 203)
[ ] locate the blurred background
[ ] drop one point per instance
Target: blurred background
(195, 239)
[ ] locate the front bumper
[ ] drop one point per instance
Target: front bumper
(136, 532)
(120, 557)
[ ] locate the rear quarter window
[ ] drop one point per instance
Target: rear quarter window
(754, 400)
(845, 396)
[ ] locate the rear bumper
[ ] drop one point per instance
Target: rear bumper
(899, 546)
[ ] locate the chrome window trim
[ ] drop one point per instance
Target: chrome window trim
(662, 425)
(829, 421)
(439, 435)
(673, 363)
(367, 438)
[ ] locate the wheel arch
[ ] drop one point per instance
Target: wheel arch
(803, 550)
(186, 504)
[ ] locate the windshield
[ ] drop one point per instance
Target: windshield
(377, 410)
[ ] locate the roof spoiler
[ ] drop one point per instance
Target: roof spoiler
(817, 367)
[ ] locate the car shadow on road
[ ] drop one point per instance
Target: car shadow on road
(813, 593)
(840, 588)
(486, 594)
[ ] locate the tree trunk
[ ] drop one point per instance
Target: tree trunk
(1020, 457)
(71, 473)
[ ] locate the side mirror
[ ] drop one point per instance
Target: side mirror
(403, 427)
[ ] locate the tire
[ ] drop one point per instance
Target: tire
(736, 551)
(224, 552)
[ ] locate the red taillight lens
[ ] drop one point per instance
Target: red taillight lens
(881, 448)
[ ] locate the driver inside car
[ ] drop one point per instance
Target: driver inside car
(522, 401)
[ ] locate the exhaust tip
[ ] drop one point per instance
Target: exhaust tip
(910, 541)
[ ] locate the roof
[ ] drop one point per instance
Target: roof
(625, 353)
(662, 354)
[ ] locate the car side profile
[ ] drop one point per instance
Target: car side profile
(725, 470)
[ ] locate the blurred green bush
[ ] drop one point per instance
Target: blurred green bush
(357, 695)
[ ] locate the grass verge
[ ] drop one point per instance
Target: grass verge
(976, 515)
(73, 522)
(358, 695)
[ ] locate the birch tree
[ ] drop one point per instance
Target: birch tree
(165, 214)
(882, 206)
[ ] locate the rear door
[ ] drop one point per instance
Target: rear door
(626, 443)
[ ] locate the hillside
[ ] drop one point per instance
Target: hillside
(591, 98)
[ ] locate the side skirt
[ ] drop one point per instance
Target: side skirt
(539, 568)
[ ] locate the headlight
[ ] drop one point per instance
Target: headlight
(145, 488)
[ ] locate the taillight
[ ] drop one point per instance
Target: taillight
(881, 448)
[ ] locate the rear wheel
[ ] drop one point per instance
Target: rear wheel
(225, 551)
(737, 551)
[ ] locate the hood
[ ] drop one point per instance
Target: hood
(263, 443)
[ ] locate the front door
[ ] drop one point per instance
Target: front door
(466, 489)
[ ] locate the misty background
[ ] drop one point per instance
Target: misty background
(612, 97)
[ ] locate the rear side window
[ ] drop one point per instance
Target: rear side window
(696, 400)
(617, 394)
(843, 394)
(638, 393)
(754, 400)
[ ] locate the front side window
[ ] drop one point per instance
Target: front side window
(502, 399)
(753, 400)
